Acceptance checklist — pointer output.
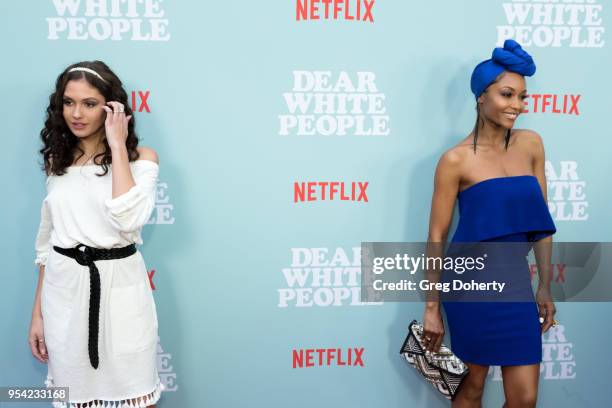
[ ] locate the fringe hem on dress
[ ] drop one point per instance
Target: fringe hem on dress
(145, 400)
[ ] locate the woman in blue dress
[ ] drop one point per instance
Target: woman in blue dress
(497, 176)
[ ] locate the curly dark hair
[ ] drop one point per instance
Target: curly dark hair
(59, 143)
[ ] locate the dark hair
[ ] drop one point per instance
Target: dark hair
(59, 143)
(478, 119)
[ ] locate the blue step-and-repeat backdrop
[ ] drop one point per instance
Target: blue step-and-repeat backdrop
(252, 106)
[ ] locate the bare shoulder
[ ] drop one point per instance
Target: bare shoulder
(529, 138)
(451, 161)
(146, 153)
(454, 156)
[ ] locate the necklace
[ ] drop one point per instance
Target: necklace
(89, 161)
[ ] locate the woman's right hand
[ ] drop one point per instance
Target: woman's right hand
(433, 328)
(36, 339)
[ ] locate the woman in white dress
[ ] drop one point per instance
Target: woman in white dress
(94, 319)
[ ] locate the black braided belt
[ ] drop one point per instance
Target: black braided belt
(86, 255)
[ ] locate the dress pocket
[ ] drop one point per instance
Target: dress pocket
(62, 271)
(56, 308)
(133, 320)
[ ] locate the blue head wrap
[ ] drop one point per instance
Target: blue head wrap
(510, 58)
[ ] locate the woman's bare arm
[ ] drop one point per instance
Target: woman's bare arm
(36, 336)
(446, 187)
(542, 248)
(36, 312)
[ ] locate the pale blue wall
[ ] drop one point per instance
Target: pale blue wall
(228, 221)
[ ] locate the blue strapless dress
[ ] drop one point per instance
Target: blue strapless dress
(502, 209)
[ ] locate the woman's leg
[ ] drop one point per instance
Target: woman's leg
(521, 385)
(472, 387)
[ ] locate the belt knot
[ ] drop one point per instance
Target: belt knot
(84, 256)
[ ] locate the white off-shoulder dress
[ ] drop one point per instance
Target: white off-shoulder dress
(79, 209)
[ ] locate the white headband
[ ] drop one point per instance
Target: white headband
(91, 71)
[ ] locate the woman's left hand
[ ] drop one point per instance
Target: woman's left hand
(546, 308)
(116, 124)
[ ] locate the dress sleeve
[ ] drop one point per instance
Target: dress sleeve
(44, 234)
(132, 209)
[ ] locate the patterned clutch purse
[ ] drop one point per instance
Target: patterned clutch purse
(442, 369)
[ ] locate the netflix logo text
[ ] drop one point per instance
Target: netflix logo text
(140, 102)
(349, 10)
(150, 274)
(330, 191)
(326, 357)
(550, 103)
(557, 272)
